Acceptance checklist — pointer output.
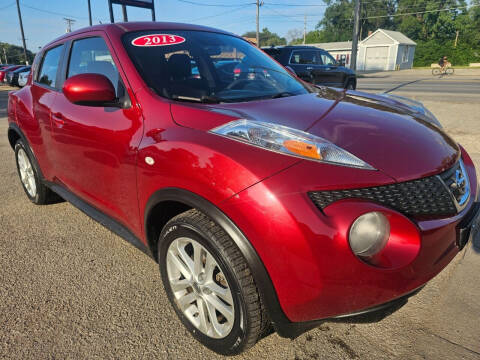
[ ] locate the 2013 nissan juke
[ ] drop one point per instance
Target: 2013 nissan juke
(269, 203)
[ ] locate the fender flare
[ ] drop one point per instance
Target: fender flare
(15, 128)
(280, 322)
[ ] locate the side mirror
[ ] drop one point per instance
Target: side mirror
(290, 70)
(90, 90)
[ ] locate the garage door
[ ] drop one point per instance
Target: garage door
(376, 58)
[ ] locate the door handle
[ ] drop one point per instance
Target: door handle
(309, 68)
(58, 119)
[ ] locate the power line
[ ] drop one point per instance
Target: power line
(420, 12)
(279, 13)
(298, 5)
(214, 5)
(53, 12)
(220, 14)
(7, 6)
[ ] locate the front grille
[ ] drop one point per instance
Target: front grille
(423, 197)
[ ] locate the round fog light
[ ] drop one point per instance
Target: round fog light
(369, 234)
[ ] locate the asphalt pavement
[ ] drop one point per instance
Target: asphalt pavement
(69, 288)
(463, 87)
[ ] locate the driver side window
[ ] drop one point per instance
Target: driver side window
(91, 55)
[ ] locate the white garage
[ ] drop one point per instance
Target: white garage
(386, 50)
(376, 57)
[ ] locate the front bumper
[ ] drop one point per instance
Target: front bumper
(306, 252)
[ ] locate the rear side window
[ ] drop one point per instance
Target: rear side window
(327, 59)
(48, 71)
(91, 55)
(301, 57)
(275, 53)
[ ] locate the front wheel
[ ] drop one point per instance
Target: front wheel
(350, 85)
(209, 284)
(436, 71)
(36, 191)
(449, 71)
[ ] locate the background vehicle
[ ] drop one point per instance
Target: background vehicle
(22, 78)
(7, 69)
(314, 65)
(12, 76)
(249, 191)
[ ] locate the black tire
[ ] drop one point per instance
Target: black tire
(42, 194)
(250, 320)
(351, 84)
(449, 71)
(436, 71)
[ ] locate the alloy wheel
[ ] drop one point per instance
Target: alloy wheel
(200, 287)
(27, 175)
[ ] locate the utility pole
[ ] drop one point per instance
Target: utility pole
(110, 10)
(258, 23)
(356, 28)
(456, 39)
(69, 22)
(153, 10)
(23, 34)
(304, 29)
(124, 12)
(89, 13)
(5, 54)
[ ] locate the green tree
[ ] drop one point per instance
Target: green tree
(267, 38)
(14, 54)
(311, 37)
(434, 31)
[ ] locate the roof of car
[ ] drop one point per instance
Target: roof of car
(141, 25)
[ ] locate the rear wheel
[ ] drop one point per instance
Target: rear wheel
(449, 71)
(210, 284)
(436, 71)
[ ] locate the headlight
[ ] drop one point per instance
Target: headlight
(288, 141)
(369, 234)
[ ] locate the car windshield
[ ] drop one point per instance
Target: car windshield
(200, 66)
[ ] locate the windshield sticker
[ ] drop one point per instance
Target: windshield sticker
(158, 40)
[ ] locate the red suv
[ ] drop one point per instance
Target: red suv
(269, 203)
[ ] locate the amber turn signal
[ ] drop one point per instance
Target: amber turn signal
(302, 148)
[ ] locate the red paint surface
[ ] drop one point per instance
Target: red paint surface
(98, 153)
(88, 88)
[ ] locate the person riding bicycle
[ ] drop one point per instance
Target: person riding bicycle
(443, 62)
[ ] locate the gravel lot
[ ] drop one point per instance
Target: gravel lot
(69, 288)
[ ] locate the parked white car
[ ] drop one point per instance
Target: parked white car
(22, 78)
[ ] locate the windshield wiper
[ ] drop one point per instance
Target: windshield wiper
(203, 99)
(282, 94)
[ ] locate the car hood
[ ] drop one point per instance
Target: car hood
(378, 130)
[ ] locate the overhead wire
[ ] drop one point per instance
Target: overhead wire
(213, 5)
(7, 6)
(52, 12)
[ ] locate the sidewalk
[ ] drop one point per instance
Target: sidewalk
(415, 72)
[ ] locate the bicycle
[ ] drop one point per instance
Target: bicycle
(445, 71)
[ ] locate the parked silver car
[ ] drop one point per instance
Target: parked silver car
(22, 78)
